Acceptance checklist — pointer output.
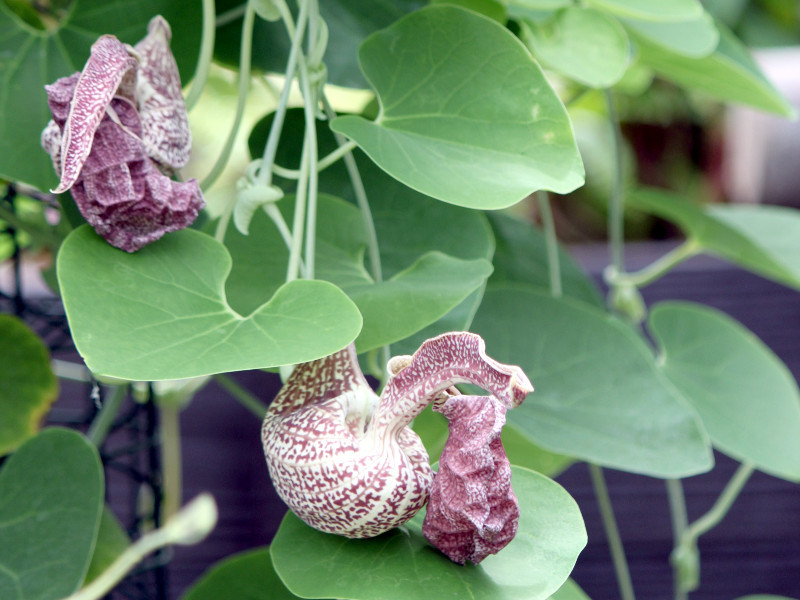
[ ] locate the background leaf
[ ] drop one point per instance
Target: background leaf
(452, 125)
(52, 497)
(729, 73)
(747, 398)
(161, 313)
(599, 395)
(521, 256)
(27, 384)
(671, 10)
(569, 41)
(244, 576)
(400, 565)
(425, 290)
(570, 591)
(696, 37)
(33, 58)
(764, 239)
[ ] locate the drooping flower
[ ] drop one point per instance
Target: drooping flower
(119, 132)
(343, 458)
(472, 511)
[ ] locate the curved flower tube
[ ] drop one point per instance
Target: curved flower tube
(343, 458)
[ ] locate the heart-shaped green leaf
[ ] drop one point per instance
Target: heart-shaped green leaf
(746, 397)
(763, 239)
(670, 10)
(729, 73)
(521, 256)
(27, 384)
(244, 576)
(400, 565)
(452, 124)
(393, 309)
(161, 313)
(33, 58)
(599, 395)
(695, 37)
(568, 43)
(52, 497)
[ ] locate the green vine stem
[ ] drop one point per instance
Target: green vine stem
(677, 508)
(296, 34)
(658, 268)
(373, 250)
(616, 206)
(293, 268)
(189, 526)
(169, 419)
(206, 53)
(245, 398)
(612, 533)
(551, 241)
(104, 419)
(723, 504)
(245, 54)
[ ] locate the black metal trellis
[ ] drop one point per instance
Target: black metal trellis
(130, 452)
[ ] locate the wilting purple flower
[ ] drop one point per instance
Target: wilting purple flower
(472, 511)
(119, 131)
(344, 459)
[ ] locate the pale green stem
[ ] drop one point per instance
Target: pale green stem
(189, 526)
(296, 35)
(551, 241)
(222, 224)
(313, 174)
(612, 533)
(293, 268)
(64, 369)
(206, 53)
(245, 398)
(104, 419)
(723, 504)
(231, 15)
(169, 421)
(277, 218)
(244, 85)
(373, 250)
(658, 268)
(677, 506)
(616, 203)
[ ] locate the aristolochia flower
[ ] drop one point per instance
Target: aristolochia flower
(119, 131)
(346, 462)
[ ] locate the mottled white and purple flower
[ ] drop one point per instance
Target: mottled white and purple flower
(119, 132)
(346, 462)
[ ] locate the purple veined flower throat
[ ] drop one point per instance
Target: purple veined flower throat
(118, 134)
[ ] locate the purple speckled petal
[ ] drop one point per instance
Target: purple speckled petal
(165, 125)
(440, 363)
(472, 510)
(96, 86)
